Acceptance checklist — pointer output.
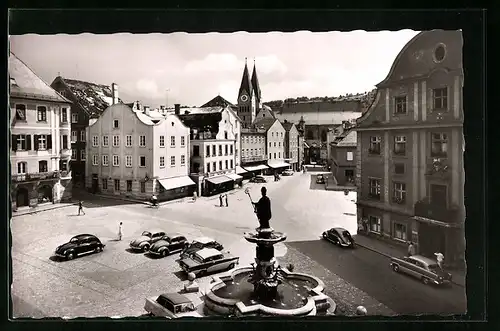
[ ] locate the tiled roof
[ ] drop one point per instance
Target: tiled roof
(218, 101)
(93, 98)
(328, 118)
(287, 125)
(350, 140)
(201, 110)
(25, 83)
(265, 123)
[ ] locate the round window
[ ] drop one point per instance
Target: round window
(439, 53)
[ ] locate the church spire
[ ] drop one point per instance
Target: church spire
(246, 85)
(255, 83)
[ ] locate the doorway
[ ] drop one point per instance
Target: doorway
(45, 194)
(349, 176)
(95, 183)
(22, 197)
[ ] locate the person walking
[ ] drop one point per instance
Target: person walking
(225, 196)
(411, 249)
(194, 196)
(120, 231)
(80, 207)
(439, 259)
(220, 200)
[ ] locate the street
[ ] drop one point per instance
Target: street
(116, 281)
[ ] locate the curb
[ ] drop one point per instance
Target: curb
(30, 212)
(388, 256)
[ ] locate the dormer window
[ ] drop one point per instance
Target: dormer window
(116, 124)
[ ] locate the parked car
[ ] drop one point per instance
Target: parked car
(287, 172)
(199, 244)
(320, 179)
(339, 236)
(423, 268)
(79, 245)
(172, 305)
(208, 260)
(258, 179)
(169, 243)
(147, 238)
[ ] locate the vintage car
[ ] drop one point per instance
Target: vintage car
(320, 179)
(423, 268)
(172, 305)
(199, 244)
(258, 179)
(207, 260)
(147, 238)
(339, 236)
(79, 245)
(169, 243)
(287, 172)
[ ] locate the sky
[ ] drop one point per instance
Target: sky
(191, 69)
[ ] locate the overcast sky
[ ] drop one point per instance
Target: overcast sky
(197, 67)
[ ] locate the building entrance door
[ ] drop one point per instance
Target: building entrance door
(95, 183)
(22, 198)
(432, 240)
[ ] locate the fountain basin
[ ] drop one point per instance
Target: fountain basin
(298, 295)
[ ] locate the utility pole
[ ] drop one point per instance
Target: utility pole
(167, 90)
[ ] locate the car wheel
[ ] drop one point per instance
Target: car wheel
(425, 280)
(324, 235)
(70, 256)
(395, 268)
(145, 248)
(98, 249)
(164, 253)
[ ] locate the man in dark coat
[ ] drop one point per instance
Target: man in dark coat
(263, 209)
(80, 207)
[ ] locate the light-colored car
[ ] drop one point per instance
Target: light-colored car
(287, 172)
(147, 238)
(421, 267)
(200, 243)
(173, 305)
(208, 260)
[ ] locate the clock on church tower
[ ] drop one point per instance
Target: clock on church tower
(244, 98)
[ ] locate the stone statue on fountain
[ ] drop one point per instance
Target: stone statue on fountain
(263, 209)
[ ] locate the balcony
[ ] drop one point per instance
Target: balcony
(438, 167)
(254, 158)
(35, 176)
(438, 212)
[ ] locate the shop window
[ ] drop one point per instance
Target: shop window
(117, 185)
(400, 231)
(375, 224)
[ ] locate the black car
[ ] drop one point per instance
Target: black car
(258, 179)
(339, 236)
(200, 243)
(169, 243)
(79, 245)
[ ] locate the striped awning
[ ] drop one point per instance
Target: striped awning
(219, 179)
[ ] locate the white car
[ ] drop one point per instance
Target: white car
(174, 305)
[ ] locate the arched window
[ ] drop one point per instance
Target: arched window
(22, 167)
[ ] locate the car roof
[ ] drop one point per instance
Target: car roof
(173, 235)
(339, 229)
(204, 240)
(85, 235)
(154, 231)
(207, 252)
(423, 259)
(175, 298)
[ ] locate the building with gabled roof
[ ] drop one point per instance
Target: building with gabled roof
(292, 145)
(343, 157)
(218, 101)
(39, 147)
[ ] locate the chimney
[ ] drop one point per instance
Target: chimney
(114, 93)
(177, 108)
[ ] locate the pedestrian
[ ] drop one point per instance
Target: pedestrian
(80, 207)
(220, 200)
(365, 225)
(439, 259)
(194, 196)
(225, 195)
(120, 231)
(411, 249)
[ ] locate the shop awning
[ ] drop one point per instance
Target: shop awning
(256, 167)
(240, 170)
(219, 179)
(278, 164)
(234, 176)
(176, 182)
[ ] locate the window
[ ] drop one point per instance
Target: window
(220, 165)
(172, 141)
(172, 161)
(116, 141)
(129, 186)
(439, 144)
(74, 118)
(183, 160)
(105, 160)
(142, 141)
(400, 105)
(374, 186)
(274, 155)
(142, 161)
(399, 193)
(20, 112)
(399, 168)
(226, 149)
(95, 159)
(281, 134)
(64, 115)
(440, 98)
(227, 164)
(74, 136)
(279, 155)
(64, 142)
(375, 224)
(116, 160)
(143, 187)
(42, 166)
(95, 141)
(279, 144)
(231, 149)
(208, 151)
(400, 145)
(220, 150)
(439, 53)
(400, 231)
(42, 142)
(225, 134)
(73, 154)
(41, 113)
(162, 162)
(21, 167)
(231, 163)
(128, 161)
(275, 144)
(374, 145)
(104, 184)
(128, 141)
(116, 124)
(117, 184)
(105, 141)
(162, 141)
(272, 134)
(269, 155)
(22, 142)
(208, 166)
(82, 155)
(350, 156)
(183, 141)
(83, 137)
(196, 150)
(270, 144)
(63, 165)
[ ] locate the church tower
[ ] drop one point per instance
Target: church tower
(256, 89)
(247, 109)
